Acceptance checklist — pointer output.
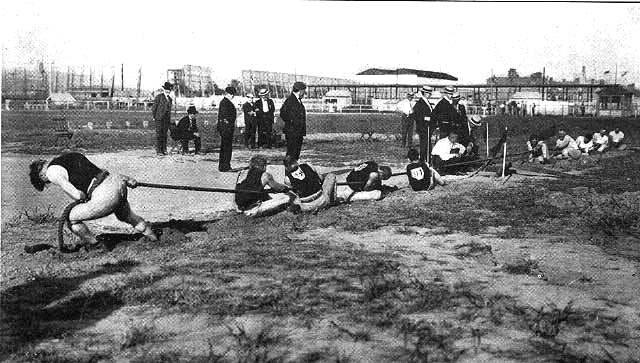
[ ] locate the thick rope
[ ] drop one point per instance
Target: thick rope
(64, 219)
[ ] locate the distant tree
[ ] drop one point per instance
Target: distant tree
(217, 90)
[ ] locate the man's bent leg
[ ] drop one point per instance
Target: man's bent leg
(125, 214)
(329, 187)
(275, 204)
(364, 196)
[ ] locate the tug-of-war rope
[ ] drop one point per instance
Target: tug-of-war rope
(64, 219)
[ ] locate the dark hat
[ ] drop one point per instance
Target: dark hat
(230, 90)
(167, 85)
(448, 90)
(299, 86)
(456, 96)
(192, 110)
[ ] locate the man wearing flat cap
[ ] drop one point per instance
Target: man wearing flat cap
(187, 129)
(161, 112)
(444, 114)
(226, 125)
(294, 116)
(250, 122)
(264, 109)
(422, 115)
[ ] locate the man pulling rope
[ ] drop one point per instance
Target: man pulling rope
(96, 194)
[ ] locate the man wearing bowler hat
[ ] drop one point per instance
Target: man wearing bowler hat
(226, 125)
(444, 114)
(264, 109)
(161, 112)
(187, 129)
(294, 116)
(422, 111)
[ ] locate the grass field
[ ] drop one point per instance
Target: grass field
(31, 131)
(543, 267)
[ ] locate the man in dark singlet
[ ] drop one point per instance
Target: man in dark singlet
(313, 191)
(103, 193)
(365, 181)
(256, 179)
(420, 175)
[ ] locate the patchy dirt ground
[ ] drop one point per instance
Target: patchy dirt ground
(542, 267)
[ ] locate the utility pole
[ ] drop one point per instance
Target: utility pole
(543, 77)
(122, 77)
(139, 79)
(615, 78)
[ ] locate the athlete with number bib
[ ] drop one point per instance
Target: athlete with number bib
(420, 175)
(313, 191)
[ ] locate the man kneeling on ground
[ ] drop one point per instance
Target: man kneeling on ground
(252, 198)
(448, 151)
(365, 181)
(600, 141)
(617, 139)
(187, 129)
(538, 150)
(313, 191)
(421, 176)
(102, 193)
(566, 146)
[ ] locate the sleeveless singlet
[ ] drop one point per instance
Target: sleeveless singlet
(252, 182)
(359, 176)
(81, 171)
(304, 181)
(419, 176)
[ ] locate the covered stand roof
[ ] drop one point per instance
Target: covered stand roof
(61, 98)
(338, 93)
(614, 91)
(417, 72)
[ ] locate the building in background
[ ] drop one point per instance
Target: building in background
(279, 84)
(404, 76)
(192, 81)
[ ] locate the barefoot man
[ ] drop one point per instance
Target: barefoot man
(102, 193)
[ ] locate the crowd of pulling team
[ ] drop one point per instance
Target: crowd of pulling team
(567, 147)
(303, 189)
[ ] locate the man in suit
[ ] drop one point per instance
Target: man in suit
(226, 125)
(187, 129)
(264, 109)
(422, 116)
(444, 114)
(294, 116)
(250, 122)
(161, 112)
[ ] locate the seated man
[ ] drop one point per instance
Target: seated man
(103, 193)
(447, 151)
(421, 176)
(616, 137)
(186, 129)
(313, 191)
(252, 199)
(365, 181)
(585, 144)
(566, 146)
(538, 150)
(600, 141)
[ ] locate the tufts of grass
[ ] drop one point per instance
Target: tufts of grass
(39, 216)
(264, 345)
(139, 335)
(425, 341)
(546, 323)
(521, 267)
(472, 249)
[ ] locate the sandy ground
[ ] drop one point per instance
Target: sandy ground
(455, 274)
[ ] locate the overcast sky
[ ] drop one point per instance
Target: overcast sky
(467, 40)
